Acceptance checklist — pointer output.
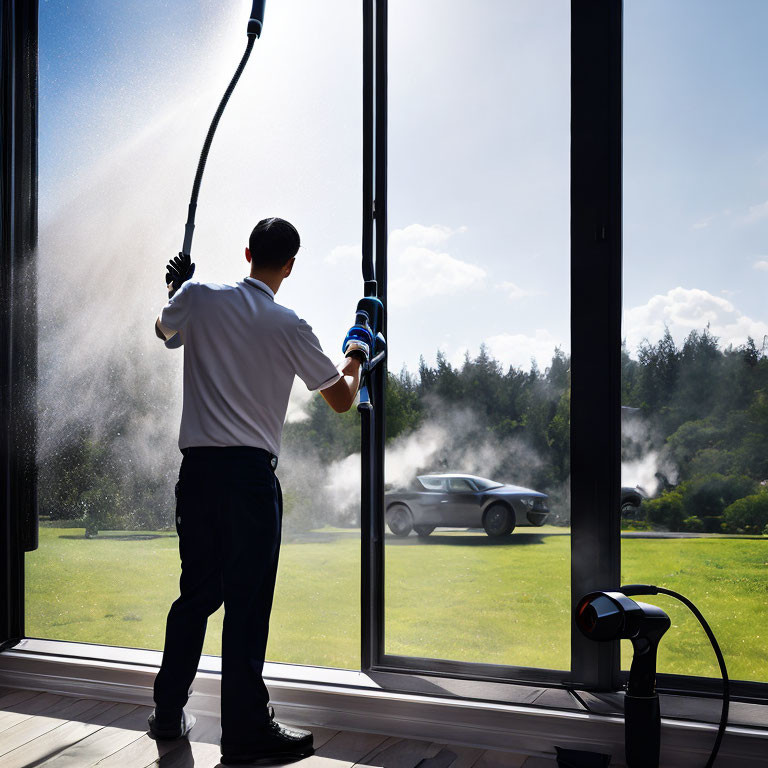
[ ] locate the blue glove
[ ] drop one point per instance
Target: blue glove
(359, 340)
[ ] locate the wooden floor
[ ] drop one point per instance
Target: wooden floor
(45, 729)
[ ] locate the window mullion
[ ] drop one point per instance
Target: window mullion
(596, 283)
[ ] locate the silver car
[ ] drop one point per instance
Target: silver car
(463, 501)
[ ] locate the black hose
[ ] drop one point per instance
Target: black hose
(648, 589)
(190, 225)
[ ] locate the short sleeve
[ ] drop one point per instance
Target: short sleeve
(175, 314)
(313, 366)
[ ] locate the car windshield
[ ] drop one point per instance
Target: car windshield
(485, 485)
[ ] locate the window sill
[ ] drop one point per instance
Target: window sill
(529, 720)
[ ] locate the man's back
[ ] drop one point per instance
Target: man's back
(242, 351)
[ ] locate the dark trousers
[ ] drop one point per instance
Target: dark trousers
(229, 519)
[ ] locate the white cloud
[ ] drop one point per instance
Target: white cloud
(762, 265)
(344, 254)
(421, 273)
(419, 234)
(419, 269)
(687, 309)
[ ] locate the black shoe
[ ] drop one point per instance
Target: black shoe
(170, 727)
(273, 742)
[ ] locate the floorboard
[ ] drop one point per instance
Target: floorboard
(494, 759)
(10, 697)
(33, 727)
(460, 757)
(45, 730)
(37, 704)
(101, 743)
(321, 736)
(344, 750)
(56, 740)
(395, 752)
(138, 753)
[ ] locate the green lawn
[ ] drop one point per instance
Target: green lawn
(453, 596)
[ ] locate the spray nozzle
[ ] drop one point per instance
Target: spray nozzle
(612, 615)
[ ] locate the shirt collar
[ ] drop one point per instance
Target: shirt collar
(256, 283)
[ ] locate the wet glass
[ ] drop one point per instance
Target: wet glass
(479, 303)
(126, 97)
(695, 504)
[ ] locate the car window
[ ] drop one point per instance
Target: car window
(485, 485)
(433, 483)
(459, 484)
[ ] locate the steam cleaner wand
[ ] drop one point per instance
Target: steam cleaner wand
(255, 25)
(603, 616)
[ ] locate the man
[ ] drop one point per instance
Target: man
(242, 352)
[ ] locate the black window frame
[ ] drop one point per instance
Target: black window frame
(18, 308)
(596, 307)
(595, 363)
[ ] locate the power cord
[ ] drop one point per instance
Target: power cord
(648, 589)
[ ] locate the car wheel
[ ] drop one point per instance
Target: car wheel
(629, 510)
(399, 520)
(423, 530)
(498, 520)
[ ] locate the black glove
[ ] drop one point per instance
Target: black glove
(180, 269)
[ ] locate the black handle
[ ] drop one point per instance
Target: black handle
(642, 731)
(256, 21)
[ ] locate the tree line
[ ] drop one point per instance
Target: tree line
(703, 407)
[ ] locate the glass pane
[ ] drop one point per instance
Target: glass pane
(695, 324)
(478, 398)
(127, 92)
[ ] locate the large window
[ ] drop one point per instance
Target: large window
(120, 132)
(695, 370)
(479, 293)
(502, 440)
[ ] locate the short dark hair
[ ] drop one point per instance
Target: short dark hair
(273, 243)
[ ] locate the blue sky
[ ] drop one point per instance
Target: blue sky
(696, 159)
(479, 153)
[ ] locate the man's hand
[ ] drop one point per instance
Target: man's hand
(179, 270)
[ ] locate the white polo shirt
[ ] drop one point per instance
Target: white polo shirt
(242, 351)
